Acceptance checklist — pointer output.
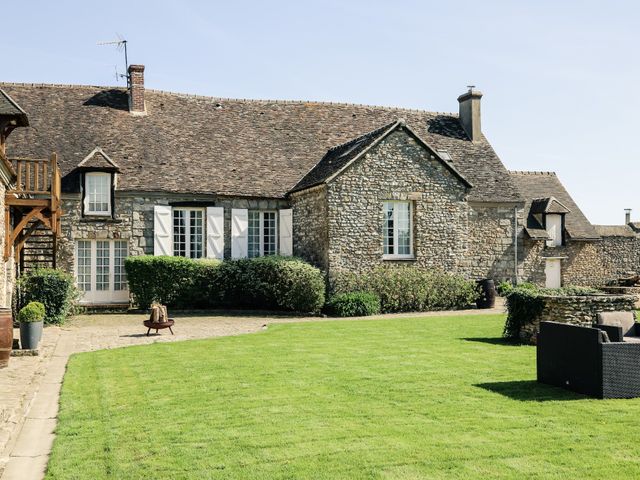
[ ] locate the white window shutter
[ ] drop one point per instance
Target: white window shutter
(215, 232)
(162, 230)
(286, 232)
(239, 230)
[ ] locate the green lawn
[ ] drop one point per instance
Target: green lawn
(438, 397)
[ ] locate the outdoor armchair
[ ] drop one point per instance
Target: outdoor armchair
(583, 360)
(620, 326)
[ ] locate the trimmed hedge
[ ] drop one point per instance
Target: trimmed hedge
(409, 289)
(31, 312)
(271, 283)
(524, 302)
(355, 304)
(53, 288)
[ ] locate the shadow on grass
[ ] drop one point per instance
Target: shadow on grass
(494, 341)
(530, 391)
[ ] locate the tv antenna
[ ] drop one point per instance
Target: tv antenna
(121, 45)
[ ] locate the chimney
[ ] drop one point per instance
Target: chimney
(627, 216)
(136, 89)
(470, 112)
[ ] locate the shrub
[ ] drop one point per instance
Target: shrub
(409, 289)
(54, 288)
(281, 283)
(172, 281)
(31, 312)
(504, 288)
(355, 304)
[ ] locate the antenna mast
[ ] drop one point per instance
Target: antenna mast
(121, 44)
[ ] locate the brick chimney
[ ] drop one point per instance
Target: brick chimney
(136, 89)
(470, 113)
(627, 216)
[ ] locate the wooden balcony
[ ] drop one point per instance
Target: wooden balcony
(32, 203)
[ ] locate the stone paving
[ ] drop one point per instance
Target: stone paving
(30, 386)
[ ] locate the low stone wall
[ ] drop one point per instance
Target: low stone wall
(575, 310)
(624, 291)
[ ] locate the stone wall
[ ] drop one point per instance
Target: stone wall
(591, 263)
(8, 268)
(620, 255)
(397, 169)
(310, 226)
(491, 241)
(575, 310)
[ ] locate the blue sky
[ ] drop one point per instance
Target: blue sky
(560, 79)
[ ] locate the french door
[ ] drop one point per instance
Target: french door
(100, 271)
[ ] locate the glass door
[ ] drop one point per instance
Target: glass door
(100, 271)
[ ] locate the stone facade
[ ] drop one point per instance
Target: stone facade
(491, 241)
(7, 270)
(592, 263)
(398, 168)
(311, 226)
(575, 310)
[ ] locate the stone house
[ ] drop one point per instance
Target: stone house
(347, 187)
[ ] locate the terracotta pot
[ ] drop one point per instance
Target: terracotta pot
(6, 336)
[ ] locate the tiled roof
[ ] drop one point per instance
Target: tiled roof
(339, 157)
(615, 230)
(224, 146)
(9, 108)
(536, 185)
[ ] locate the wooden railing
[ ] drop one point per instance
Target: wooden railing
(37, 176)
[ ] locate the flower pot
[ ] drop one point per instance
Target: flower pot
(30, 334)
(6, 336)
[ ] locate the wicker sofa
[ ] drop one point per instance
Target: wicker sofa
(583, 360)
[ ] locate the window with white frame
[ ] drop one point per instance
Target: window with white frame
(262, 233)
(188, 232)
(97, 193)
(397, 230)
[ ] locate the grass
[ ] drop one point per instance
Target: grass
(439, 397)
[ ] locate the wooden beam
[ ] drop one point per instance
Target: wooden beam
(36, 212)
(24, 238)
(7, 229)
(26, 202)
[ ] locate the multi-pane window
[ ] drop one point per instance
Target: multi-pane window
(120, 253)
(97, 194)
(262, 234)
(188, 232)
(396, 230)
(84, 265)
(103, 267)
(100, 270)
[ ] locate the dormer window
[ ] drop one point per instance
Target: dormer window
(97, 193)
(98, 180)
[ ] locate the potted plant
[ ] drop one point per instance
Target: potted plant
(31, 318)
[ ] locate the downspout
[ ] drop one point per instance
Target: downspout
(515, 243)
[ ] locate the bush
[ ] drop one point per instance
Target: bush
(54, 288)
(355, 304)
(524, 303)
(32, 312)
(504, 288)
(172, 281)
(409, 289)
(278, 283)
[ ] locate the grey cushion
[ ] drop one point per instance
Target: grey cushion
(631, 339)
(625, 320)
(604, 336)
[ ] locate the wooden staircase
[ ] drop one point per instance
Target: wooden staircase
(33, 213)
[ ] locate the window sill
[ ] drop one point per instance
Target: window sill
(99, 218)
(394, 258)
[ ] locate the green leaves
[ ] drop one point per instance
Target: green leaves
(355, 304)
(53, 288)
(409, 289)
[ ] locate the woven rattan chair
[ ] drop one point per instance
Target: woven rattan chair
(620, 326)
(582, 359)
